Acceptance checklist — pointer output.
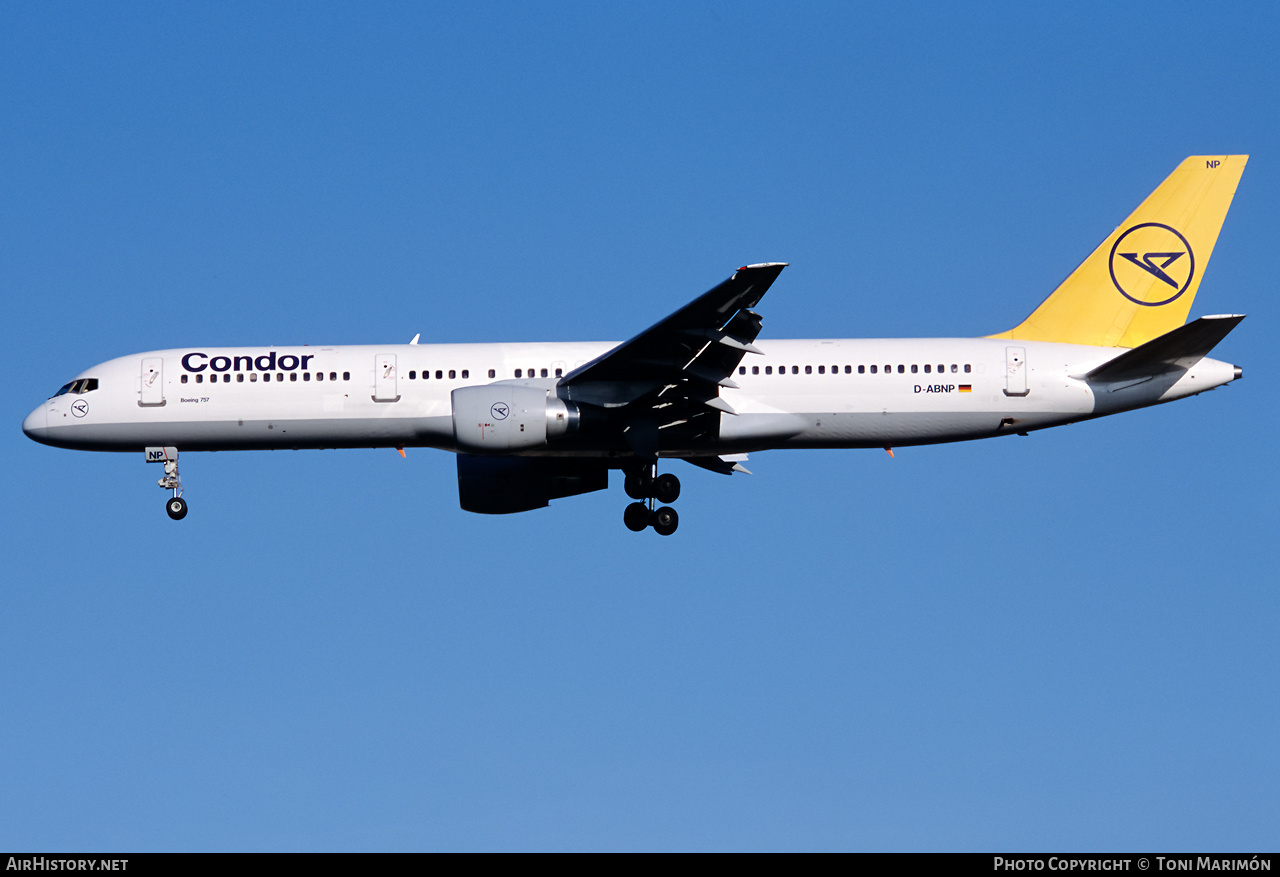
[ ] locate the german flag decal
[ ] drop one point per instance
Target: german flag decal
(966, 388)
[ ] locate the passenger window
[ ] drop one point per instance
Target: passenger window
(927, 368)
(768, 369)
(559, 372)
(465, 374)
(902, 369)
(517, 372)
(183, 379)
(453, 375)
(862, 369)
(319, 376)
(954, 368)
(742, 369)
(240, 378)
(544, 373)
(755, 369)
(888, 369)
(333, 376)
(346, 376)
(293, 376)
(795, 369)
(914, 368)
(941, 368)
(822, 369)
(966, 368)
(873, 369)
(808, 369)
(439, 375)
(199, 379)
(413, 375)
(848, 369)
(492, 373)
(253, 377)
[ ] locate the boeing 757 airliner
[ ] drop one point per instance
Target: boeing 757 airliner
(533, 422)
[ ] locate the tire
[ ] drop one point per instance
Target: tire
(637, 485)
(666, 488)
(665, 521)
(636, 516)
(177, 508)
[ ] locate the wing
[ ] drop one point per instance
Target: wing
(693, 351)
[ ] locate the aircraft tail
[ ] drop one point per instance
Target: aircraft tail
(1139, 283)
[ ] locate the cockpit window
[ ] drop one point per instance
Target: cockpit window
(84, 385)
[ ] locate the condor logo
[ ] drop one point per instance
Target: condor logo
(1152, 264)
(198, 362)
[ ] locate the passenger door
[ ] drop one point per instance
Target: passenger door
(1015, 360)
(152, 382)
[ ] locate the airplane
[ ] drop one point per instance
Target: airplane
(533, 422)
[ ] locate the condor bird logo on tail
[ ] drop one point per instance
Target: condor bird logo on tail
(1156, 265)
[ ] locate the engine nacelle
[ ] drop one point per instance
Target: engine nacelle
(501, 418)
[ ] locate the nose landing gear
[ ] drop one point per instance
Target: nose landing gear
(175, 506)
(641, 485)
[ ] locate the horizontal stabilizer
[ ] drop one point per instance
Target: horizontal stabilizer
(1177, 350)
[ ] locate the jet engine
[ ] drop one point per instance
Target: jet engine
(502, 418)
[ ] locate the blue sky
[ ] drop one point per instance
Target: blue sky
(1064, 641)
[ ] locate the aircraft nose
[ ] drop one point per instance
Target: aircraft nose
(37, 423)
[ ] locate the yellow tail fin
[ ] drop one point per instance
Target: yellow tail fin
(1139, 283)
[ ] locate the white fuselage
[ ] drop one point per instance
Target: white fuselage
(839, 393)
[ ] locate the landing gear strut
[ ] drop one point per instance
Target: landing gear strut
(641, 485)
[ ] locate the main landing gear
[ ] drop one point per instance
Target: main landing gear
(641, 485)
